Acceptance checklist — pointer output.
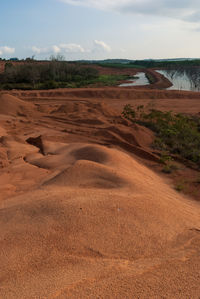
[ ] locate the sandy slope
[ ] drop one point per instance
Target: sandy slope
(80, 217)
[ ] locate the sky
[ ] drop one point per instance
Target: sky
(100, 29)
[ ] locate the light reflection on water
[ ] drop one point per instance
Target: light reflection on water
(188, 79)
(141, 80)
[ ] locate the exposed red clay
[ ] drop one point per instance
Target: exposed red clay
(82, 216)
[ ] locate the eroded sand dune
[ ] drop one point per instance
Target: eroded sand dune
(80, 217)
(11, 105)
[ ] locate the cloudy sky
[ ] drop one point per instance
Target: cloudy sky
(99, 29)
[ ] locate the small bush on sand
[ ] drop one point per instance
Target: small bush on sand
(180, 186)
(177, 134)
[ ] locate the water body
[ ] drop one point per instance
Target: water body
(184, 79)
(140, 80)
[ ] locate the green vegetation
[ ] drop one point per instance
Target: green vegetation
(120, 65)
(168, 161)
(45, 75)
(169, 167)
(150, 78)
(109, 80)
(165, 158)
(180, 186)
(177, 135)
(54, 74)
(165, 63)
(150, 63)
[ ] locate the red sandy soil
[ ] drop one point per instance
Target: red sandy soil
(81, 214)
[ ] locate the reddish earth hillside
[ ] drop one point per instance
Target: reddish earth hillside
(81, 214)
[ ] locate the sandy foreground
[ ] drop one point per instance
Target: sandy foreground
(81, 216)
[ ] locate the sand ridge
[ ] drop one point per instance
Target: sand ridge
(80, 216)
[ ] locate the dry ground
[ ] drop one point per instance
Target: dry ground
(81, 214)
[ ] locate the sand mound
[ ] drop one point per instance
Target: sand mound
(105, 110)
(102, 123)
(87, 174)
(90, 153)
(11, 105)
(79, 219)
(2, 132)
(70, 107)
(61, 156)
(63, 234)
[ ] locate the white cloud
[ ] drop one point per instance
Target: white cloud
(72, 48)
(100, 45)
(188, 10)
(56, 49)
(6, 50)
(53, 49)
(37, 50)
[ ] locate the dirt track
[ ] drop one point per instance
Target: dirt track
(81, 216)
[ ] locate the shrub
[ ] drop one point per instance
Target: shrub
(180, 186)
(129, 113)
(50, 84)
(49, 74)
(177, 134)
(169, 168)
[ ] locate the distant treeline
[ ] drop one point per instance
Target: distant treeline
(119, 65)
(152, 63)
(47, 75)
(165, 63)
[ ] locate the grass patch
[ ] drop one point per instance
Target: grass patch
(109, 80)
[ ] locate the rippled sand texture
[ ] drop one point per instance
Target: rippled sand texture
(81, 216)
